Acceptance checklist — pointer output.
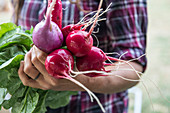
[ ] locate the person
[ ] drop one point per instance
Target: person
(125, 30)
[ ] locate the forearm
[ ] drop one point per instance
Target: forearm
(112, 83)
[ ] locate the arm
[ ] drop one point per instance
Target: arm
(104, 84)
(113, 84)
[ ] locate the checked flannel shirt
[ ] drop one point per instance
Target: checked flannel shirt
(124, 30)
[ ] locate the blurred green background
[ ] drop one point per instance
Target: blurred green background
(158, 53)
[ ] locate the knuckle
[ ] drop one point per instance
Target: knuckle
(25, 83)
(27, 69)
(54, 83)
(34, 60)
(41, 56)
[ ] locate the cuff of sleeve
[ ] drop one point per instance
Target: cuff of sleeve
(137, 54)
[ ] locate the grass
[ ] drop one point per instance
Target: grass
(158, 53)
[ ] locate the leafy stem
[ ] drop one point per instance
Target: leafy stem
(25, 100)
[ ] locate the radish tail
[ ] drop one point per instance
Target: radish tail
(92, 27)
(115, 59)
(107, 64)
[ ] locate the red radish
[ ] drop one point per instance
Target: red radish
(80, 42)
(47, 36)
(59, 64)
(69, 28)
(94, 60)
(57, 12)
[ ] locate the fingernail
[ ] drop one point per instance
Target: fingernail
(21, 63)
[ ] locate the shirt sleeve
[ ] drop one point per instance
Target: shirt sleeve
(127, 22)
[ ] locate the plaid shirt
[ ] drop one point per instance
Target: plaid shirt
(123, 31)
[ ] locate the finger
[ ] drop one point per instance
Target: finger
(40, 67)
(40, 55)
(30, 82)
(25, 79)
(29, 69)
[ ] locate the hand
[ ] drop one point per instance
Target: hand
(32, 65)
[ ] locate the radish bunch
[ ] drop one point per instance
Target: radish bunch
(49, 36)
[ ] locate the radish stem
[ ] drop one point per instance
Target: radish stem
(91, 94)
(49, 11)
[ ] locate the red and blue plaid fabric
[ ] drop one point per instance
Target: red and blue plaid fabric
(124, 30)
